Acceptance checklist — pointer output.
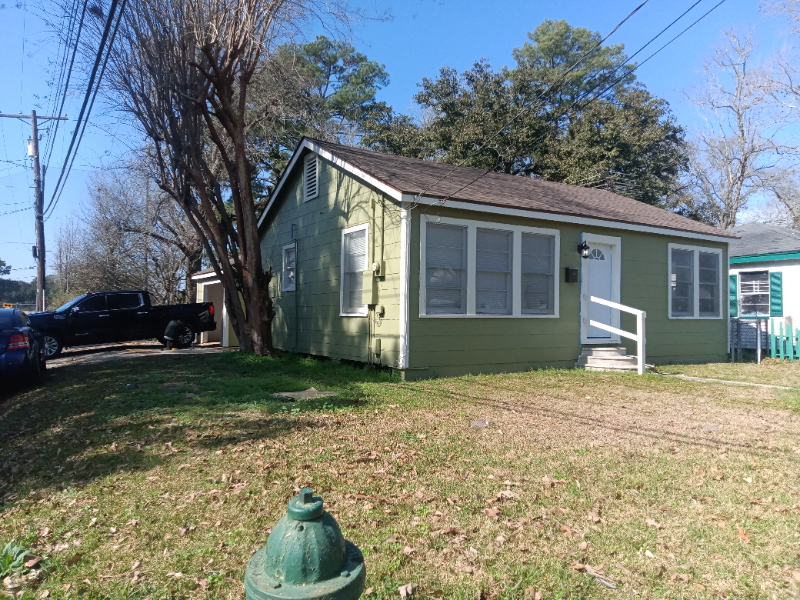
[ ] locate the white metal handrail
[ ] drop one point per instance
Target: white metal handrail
(638, 336)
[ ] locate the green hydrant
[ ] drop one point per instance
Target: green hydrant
(306, 558)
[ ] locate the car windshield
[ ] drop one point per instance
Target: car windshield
(70, 304)
(8, 319)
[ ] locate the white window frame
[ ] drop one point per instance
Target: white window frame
(365, 311)
(696, 257)
(516, 277)
(306, 161)
(284, 286)
(739, 294)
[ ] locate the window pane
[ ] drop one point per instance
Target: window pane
(538, 274)
(493, 250)
(754, 293)
(709, 284)
(445, 270)
(94, 303)
(122, 301)
(355, 263)
(288, 281)
(682, 280)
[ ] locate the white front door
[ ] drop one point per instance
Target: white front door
(600, 277)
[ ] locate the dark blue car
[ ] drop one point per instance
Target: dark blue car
(21, 347)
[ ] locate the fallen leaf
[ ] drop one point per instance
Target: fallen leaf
(506, 494)
(491, 512)
(136, 566)
(393, 539)
(368, 591)
(699, 587)
(583, 546)
(175, 575)
(466, 569)
(743, 534)
(532, 592)
(407, 590)
(499, 540)
(593, 516)
(73, 560)
(649, 554)
(408, 550)
(45, 594)
(32, 560)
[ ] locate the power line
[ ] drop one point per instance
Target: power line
(441, 202)
(11, 212)
(527, 108)
(616, 81)
(89, 89)
(52, 141)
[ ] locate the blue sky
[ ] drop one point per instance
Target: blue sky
(420, 38)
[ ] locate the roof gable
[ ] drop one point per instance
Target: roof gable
(400, 176)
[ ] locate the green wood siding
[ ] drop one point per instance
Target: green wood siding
(307, 320)
(452, 346)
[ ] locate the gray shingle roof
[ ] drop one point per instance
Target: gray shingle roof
(759, 238)
(415, 176)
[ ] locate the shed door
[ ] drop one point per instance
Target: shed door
(600, 278)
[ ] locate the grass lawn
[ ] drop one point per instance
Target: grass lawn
(158, 478)
(770, 371)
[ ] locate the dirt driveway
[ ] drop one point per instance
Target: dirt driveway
(105, 352)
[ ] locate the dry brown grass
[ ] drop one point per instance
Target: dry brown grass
(665, 487)
(771, 371)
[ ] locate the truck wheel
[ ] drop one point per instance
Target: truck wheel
(52, 345)
(185, 337)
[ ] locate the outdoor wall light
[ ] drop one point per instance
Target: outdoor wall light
(583, 250)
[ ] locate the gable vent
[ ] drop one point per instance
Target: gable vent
(311, 177)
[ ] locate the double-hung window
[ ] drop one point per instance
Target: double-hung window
(477, 269)
(754, 293)
(289, 268)
(354, 263)
(695, 282)
(446, 270)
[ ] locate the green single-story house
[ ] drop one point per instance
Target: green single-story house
(439, 270)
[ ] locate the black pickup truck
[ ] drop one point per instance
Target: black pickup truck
(107, 317)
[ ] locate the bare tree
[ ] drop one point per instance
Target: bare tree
(736, 153)
(67, 253)
(183, 69)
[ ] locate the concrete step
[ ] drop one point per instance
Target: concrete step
(603, 351)
(615, 363)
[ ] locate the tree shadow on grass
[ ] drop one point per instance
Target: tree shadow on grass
(88, 422)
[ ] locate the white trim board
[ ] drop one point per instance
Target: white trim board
(472, 226)
(205, 276)
(405, 282)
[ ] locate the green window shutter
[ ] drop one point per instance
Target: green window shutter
(776, 294)
(733, 289)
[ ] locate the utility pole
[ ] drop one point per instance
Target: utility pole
(38, 178)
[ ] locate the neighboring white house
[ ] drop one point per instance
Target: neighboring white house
(765, 273)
